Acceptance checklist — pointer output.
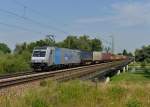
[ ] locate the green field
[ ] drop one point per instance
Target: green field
(139, 77)
(125, 90)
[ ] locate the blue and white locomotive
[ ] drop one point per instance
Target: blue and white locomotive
(49, 57)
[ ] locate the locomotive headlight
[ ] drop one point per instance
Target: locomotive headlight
(38, 61)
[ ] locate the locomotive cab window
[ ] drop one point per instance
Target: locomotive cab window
(39, 53)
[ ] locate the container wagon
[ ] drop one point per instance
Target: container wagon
(107, 57)
(97, 57)
(86, 57)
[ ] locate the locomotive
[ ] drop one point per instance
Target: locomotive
(44, 58)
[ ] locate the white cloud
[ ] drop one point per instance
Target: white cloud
(126, 14)
(132, 14)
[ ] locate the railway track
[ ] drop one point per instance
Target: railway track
(60, 75)
(16, 74)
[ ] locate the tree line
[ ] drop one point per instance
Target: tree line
(125, 53)
(73, 42)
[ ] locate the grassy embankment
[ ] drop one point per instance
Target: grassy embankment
(126, 90)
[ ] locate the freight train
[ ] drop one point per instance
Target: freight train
(45, 58)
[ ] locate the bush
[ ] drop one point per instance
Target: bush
(14, 63)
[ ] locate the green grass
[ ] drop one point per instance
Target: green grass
(125, 90)
(139, 77)
(140, 64)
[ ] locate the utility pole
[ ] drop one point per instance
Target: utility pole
(69, 44)
(105, 46)
(24, 11)
(112, 44)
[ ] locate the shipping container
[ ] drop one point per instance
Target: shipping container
(124, 57)
(86, 56)
(112, 58)
(66, 56)
(118, 57)
(106, 56)
(97, 56)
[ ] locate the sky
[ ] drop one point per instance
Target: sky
(128, 21)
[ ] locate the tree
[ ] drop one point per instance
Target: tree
(125, 52)
(4, 48)
(96, 45)
(84, 43)
(130, 54)
(20, 48)
(70, 42)
(143, 54)
(73, 42)
(29, 47)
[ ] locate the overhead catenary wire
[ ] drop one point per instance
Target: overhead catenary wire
(40, 14)
(33, 21)
(19, 27)
(34, 11)
(105, 40)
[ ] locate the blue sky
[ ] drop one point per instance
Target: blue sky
(127, 20)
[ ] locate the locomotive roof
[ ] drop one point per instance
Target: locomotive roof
(44, 47)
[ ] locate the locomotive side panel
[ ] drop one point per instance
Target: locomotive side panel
(57, 56)
(66, 56)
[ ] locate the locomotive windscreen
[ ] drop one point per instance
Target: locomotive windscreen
(39, 53)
